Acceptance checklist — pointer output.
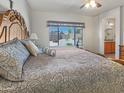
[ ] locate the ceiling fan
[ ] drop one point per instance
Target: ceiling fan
(91, 4)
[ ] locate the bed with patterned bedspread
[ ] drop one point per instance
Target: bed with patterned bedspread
(71, 71)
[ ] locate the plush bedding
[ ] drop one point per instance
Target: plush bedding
(71, 71)
(12, 58)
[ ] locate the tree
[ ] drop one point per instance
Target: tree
(69, 32)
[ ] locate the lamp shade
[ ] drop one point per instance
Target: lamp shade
(33, 36)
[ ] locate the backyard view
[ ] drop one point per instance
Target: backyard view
(65, 36)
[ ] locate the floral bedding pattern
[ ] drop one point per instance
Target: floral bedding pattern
(71, 71)
(12, 58)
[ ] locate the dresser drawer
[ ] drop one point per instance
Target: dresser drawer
(122, 49)
(121, 57)
(109, 47)
(122, 54)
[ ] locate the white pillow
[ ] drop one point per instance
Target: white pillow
(32, 48)
(50, 52)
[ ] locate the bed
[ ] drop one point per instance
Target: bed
(72, 70)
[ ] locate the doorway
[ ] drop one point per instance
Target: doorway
(109, 38)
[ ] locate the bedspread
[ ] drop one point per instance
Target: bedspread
(71, 71)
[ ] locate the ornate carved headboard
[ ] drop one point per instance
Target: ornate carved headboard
(12, 25)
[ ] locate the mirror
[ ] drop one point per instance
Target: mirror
(110, 29)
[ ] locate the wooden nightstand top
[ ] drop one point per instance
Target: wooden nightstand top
(119, 61)
(121, 45)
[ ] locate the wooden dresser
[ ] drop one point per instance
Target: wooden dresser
(109, 47)
(122, 52)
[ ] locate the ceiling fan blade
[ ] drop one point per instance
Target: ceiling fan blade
(82, 6)
(98, 4)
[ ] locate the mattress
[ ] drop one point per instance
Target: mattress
(71, 71)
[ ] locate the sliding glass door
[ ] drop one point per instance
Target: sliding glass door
(65, 35)
(78, 36)
(54, 36)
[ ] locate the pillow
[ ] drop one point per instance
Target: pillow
(12, 58)
(36, 42)
(24, 52)
(20, 47)
(47, 50)
(50, 52)
(32, 48)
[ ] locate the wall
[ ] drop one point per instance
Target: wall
(122, 25)
(114, 13)
(39, 26)
(21, 6)
(95, 34)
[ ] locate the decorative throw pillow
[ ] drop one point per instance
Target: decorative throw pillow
(20, 47)
(50, 52)
(24, 52)
(47, 50)
(12, 60)
(36, 42)
(32, 48)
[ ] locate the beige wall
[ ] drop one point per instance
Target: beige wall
(38, 22)
(96, 39)
(114, 13)
(98, 35)
(39, 26)
(93, 35)
(122, 25)
(118, 14)
(21, 6)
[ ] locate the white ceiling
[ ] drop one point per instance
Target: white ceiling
(73, 6)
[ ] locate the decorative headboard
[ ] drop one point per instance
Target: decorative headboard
(12, 25)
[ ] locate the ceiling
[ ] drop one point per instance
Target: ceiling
(73, 6)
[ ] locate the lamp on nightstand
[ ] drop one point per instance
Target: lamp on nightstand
(34, 36)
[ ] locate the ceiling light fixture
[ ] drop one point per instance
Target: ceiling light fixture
(87, 5)
(91, 4)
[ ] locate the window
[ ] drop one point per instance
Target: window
(65, 33)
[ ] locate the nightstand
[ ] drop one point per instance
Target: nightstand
(119, 61)
(121, 56)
